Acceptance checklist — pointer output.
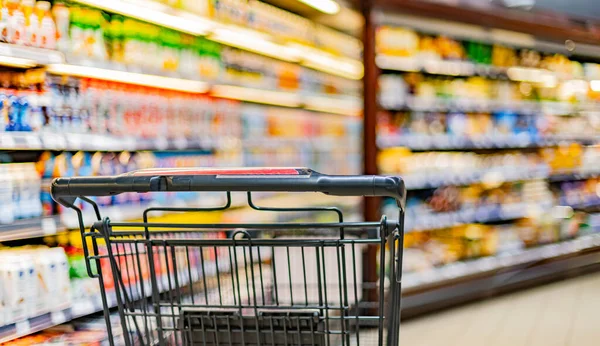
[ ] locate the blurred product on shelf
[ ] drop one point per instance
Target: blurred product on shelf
(87, 331)
(323, 142)
(502, 128)
(282, 25)
(20, 192)
(422, 51)
(417, 91)
(446, 168)
(550, 214)
(434, 248)
(35, 281)
(451, 205)
(91, 37)
(247, 69)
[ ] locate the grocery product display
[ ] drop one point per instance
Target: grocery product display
(101, 88)
(497, 143)
(494, 132)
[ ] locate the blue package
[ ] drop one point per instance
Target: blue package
(506, 122)
(23, 115)
(13, 112)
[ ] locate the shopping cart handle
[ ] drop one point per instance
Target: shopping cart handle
(66, 190)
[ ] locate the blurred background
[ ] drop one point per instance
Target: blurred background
(489, 110)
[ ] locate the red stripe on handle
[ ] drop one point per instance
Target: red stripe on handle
(216, 171)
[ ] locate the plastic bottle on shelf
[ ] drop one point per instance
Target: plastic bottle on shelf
(76, 32)
(16, 22)
(30, 25)
(61, 14)
(7, 215)
(48, 33)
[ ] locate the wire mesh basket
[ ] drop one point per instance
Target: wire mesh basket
(277, 283)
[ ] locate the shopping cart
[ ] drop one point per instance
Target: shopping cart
(213, 283)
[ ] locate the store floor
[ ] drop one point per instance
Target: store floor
(564, 313)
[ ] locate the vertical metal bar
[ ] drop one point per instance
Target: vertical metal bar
(218, 274)
(176, 271)
(274, 276)
(285, 330)
(153, 280)
(356, 308)
(155, 291)
(203, 330)
(260, 272)
(252, 276)
(290, 275)
(170, 291)
(105, 307)
(304, 273)
(231, 273)
(190, 279)
(381, 279)
(298, 329)
(240, 306)
(272, 331)
(204, 274)
(325, 293)
(144, 301)
(319, 287)
(340, 288)
(215, 326)
(396, 283)
(127, 272)
(229, 332)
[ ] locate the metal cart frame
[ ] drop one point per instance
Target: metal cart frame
(233, 284)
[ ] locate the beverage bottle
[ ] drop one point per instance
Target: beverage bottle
(47, 32)
(3, 20)
(61, 14)
(31, 21)
(16, 22)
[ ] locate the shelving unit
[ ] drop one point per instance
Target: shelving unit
(236, 114)
(454, 283)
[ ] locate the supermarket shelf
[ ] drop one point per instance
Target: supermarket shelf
(329, 104)
(466, 68)
(485, 214)
(34, 325)
(247, 39)
(453, 142)
(441, 67)
(433, 104)
(30, 228)
(350, 106)
(185, 85)
(79, 308)
(494, 176)
(436, 179)
(470, 280)
(96, 142)
(16, 56)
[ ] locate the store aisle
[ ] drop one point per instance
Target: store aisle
(563, 313)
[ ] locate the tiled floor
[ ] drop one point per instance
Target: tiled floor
(564, 313)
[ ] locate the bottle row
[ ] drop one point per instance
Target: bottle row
(25, 192)
(94, 106)
(492, 168)
(442, 247)
(90, 36)
(404, 42)
(485, 125)
(416, 91)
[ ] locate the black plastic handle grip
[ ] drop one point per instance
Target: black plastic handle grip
(66, 190)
